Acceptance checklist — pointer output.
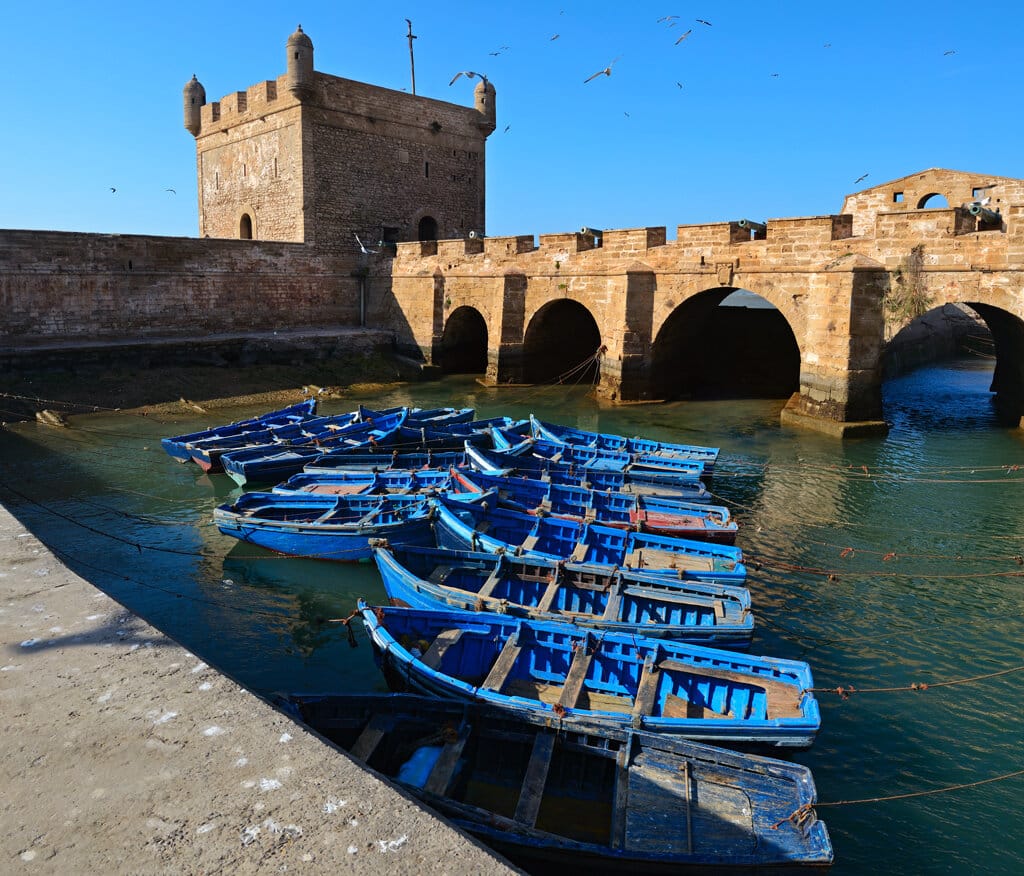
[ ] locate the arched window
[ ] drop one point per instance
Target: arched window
(427, 229)
(245, 227)
(932, 201)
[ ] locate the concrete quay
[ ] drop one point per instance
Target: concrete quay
(121, 752)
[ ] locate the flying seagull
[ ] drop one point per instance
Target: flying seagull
(364, 250)
(607, 71)
(171, 191)
(702, 21)
(666, 18)
(469, 74)
(507, 129)
(860, 179)
(113, 189)
(684, 36)
(555, 37)
(950, 52)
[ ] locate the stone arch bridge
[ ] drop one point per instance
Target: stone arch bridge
(844, 284)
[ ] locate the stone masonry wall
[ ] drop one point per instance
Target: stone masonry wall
(70, 286)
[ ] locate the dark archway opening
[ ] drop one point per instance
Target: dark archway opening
(561, 344)
(946, 332)
(463, 347)
(245, 227)
(724, 345)
(427, 229)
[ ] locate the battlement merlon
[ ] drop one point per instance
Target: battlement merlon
(333, 94)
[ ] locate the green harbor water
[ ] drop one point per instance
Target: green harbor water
(884, 563)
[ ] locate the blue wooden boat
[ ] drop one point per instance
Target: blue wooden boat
(563, 673)
(582, 798)
(370, 459)
(592, 596)
(473, 523)
(604, 441)
(622, 510)
(176, 449)
(651, 466)
(595, 476)
(342, 482)
(325, 527)
(319, 431)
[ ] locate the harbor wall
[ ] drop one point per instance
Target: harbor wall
(78, 286)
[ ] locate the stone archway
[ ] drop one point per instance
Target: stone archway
(463, 347)
(245, 227)
(1006, 348)
(725, 343)
(561, 343)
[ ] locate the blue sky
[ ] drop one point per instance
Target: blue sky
(774, 109)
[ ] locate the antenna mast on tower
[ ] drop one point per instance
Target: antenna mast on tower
(412, 62)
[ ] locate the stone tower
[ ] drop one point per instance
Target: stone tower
(317, 159)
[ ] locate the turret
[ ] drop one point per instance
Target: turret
(300, 64)
(195, 97)
(484, 99)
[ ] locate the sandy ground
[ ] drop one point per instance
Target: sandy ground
(121, 752)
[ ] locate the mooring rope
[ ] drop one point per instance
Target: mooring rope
(845, 692)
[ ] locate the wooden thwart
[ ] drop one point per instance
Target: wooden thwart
(441, 775)
(503, 665)
(370, 738)
(435, 653)
(532, 791)
(575, 678)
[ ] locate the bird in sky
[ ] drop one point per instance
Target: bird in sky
(469, 74)
(827, 46)
(950, 52)
(684, 36)
(775, 75)
(555, 37)
(607, 71)
(702, 21)
(171, 191)
(507, 129)
(679, 84)
(860, 178)
(112, 189)
(362, 248)
(498, 51)
(667, 18)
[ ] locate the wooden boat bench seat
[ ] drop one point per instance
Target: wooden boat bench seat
(367, 741)
(503, 665)
(444, 640)
(652, 558)
(529, 543)
(440, 574)
(444, 769)
(548, 599)
(579, 553)
(552, 694)
(488, 586)
(783, 700)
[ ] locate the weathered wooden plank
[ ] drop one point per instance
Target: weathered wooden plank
(503, 665)
(648, 688)
(620, 799)
(783, 699)
(439, 574)
(575, 678)
(370, 738)
(435, 653)
(529, 543)
(614, 604)
(441, 775)
(579, 553)
(490, 583)
(532, 791)
(548, 598)
(677, 598)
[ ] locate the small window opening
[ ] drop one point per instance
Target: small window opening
(426, 169)
(243, 170)
(897, 197)
(245, 227)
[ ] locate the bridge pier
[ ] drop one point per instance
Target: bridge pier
(840, 377)
(505, 357)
